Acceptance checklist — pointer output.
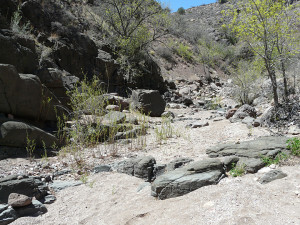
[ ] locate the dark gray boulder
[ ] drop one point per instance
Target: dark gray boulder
(18, 50)
(243, 112)
(11, 184)
(251, 165)
(7, 214)
(188, 178)
(59, 185)
(24, 96)
(148, 102)
(15, 134)
(249, 149)
(36, 208)
(142, 167)
(177, 163)
(272, 175)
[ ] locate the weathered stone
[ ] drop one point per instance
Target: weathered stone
(252, 165)
(7, 214)
(272, 175)
(16, 134)
(112, 108)
(229, 161)
(250, 149)
(243, 112)
(177, 163)
(102, 168)
(18, 200)
(114, 118)
(23, 95)
(188, 178)
(36, 208)
(248, 120)
(59, 185)
(199, 124)
(25, 186)
(49, 199)
(142, 167)
(148, 102)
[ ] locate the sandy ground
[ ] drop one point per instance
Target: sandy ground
(112, 198)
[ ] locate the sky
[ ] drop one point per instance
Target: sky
(175, 4)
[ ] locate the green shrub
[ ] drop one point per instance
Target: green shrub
(279, 158)
(293, 145)
(16, 25)
(184, 51)
(237, 170)
(181, 11)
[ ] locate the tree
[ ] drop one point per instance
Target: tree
(181, 11)
(134, 24)
(268, 29)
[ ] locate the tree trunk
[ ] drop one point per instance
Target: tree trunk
(284, 81)
(272, 76)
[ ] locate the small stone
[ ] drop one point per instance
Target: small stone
(18, 200)
(113, 108)
(272, 175)
(49, 199)
(199, 124)
(273, 166)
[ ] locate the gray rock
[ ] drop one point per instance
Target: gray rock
(102, 168)
(148, 102)
(188, 178)
(248, 120)
(249, 149)
(243, 112)
(49, 199)
(159, 169)
(199, 124)
(142, 167)
(252, 165)
(36, 208)
(114, 117)
(7, 215)
(25, 186)
(15, 134)
(177, 163)
(59, 185)
(18, 200)
(272, 175)
(23, 95)
(168, 114)
(229, 161)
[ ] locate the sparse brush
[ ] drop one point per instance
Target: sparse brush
(237, 170)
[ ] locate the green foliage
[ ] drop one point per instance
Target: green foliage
(211, 52)
(16, 25)
(245, 76)
(181, 11)
(277, 160)
(165, 131)
(182, 50)
(30, 146)
(293, 145)
(268, 27)
(134, 24)
(237, 170)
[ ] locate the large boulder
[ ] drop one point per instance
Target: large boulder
(141, 167)
(19, 51)
(188, 178)
(263, 146)
(23, 95)
(249, 153)
(243, 112)
(148, 101)
(7, 214)
(11, 184)
(17, 134)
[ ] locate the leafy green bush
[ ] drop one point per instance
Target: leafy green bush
(183, 51)
(293, 144)
(16, 25)
(277, 160)
(237, 170)
(181, 11)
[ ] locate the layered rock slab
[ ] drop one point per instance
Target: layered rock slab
(188, 178)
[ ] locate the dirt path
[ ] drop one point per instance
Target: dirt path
(112, 198)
